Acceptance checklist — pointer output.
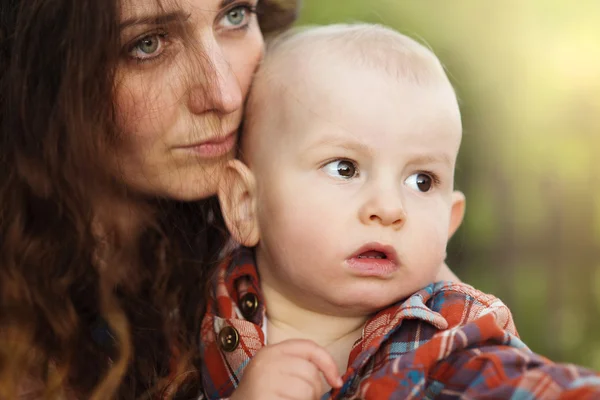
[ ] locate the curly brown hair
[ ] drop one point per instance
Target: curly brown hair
(72, 323)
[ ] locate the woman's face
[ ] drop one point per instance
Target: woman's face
(185, 71)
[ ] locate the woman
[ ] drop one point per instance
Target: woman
(115, 118)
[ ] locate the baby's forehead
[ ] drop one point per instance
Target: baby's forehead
(296, 60)
(294, 72)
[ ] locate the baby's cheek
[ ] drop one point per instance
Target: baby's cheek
(429, 239)
(306, 231)
(306, 235)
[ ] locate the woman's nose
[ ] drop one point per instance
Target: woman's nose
(218, 90)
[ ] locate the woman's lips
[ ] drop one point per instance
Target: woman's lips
(373, 260)
(214, 147)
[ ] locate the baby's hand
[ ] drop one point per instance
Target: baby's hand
(288, 370)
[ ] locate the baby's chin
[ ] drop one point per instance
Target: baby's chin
(371, 301)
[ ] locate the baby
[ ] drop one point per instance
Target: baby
(345, 203)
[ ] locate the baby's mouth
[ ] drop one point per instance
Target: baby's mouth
(374, 260)
(376, 251)
(374, 254)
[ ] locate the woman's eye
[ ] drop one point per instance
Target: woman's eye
(421, 182)
(343, 169)
(237, 17)
(148, 47)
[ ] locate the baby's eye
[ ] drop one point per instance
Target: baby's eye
(421, 182)
(343, 169)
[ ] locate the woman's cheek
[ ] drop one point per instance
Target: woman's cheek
(132, 106)
(143, 112)
(245, 59)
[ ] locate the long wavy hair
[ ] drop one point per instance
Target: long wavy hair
(72, 323)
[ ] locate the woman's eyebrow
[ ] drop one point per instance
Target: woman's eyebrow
(156, 19)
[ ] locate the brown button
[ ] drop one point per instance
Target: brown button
(229, 339)
(249, 305)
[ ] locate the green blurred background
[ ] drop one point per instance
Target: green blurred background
(527, 73)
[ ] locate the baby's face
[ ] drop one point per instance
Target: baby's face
(355, 200)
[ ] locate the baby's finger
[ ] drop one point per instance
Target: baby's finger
(314, 353)
(307, 372)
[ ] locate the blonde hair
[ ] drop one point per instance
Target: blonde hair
(368, 45)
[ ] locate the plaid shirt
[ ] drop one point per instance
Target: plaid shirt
(446, 341)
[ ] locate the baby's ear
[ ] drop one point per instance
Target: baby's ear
(457, 212)
(238, 203)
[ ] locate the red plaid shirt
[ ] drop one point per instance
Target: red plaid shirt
(446, 341)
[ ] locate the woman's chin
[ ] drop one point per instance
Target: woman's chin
(198, 188)
(185, 184)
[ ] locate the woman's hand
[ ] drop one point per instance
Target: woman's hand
(291, 369)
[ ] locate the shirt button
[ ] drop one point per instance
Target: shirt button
(229, 339)
(249, 305)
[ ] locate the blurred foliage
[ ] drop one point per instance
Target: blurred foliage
(527, 74)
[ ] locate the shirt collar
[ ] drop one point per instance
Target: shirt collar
(238, 276)
(237, 280)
